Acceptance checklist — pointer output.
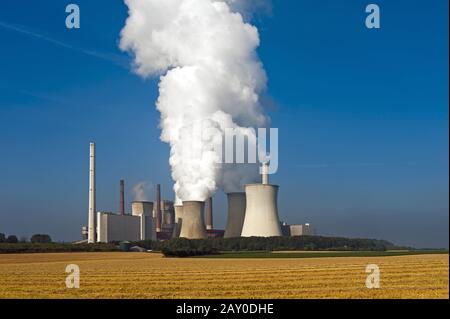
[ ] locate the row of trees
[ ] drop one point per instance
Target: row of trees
(55, 248)
(36, 238)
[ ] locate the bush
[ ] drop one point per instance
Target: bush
(41, 238)
(188, 252)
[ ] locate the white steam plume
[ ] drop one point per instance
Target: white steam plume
(211, 79)
(141, 191)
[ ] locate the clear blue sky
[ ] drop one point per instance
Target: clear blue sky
(362, 115)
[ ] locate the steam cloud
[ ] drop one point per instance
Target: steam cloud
(141, 191)
(210, 79)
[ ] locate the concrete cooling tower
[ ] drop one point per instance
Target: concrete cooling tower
(178, 213)
(236, 214)
(193, 224)
(145, 211)
(178, 220)
(142, 208)
(261, 212)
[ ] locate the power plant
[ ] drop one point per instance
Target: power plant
(250, 214)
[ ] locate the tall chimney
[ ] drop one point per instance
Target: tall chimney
(122, 197)
(209, 214)
(265, 173)
(91, 213)
(158, 208)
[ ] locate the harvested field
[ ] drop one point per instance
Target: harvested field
(149, 275)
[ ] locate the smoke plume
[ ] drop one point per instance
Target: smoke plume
(210, 79)
(141, 191)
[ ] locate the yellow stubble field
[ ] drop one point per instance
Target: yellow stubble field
(149, 275)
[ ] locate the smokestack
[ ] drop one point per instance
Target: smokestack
(265, 173)
(193, 225)
(91, 213)
(158, 208)
(122, 197)
(209, 214)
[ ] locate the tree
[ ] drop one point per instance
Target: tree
(2, 238)
(41, 239)
(12, 239)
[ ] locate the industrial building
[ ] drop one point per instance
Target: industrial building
(115, 227)
(253, 213)
(285, 229)
(139, 225)
(302, 230)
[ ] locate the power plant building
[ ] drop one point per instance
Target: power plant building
(120, 227)
(302, 230)
(285, 229)
(113, 227)
(250, 213)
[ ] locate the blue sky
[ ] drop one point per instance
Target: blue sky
(362, 117)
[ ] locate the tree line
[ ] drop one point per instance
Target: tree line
(36, 238)
(184, 247)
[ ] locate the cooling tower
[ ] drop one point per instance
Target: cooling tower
(236, 214)
(141, 208)
(91, 214)
(178, 221)
(261, 213)
(193, 225)
(144, 210)
(178, 213)
(209, 213)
